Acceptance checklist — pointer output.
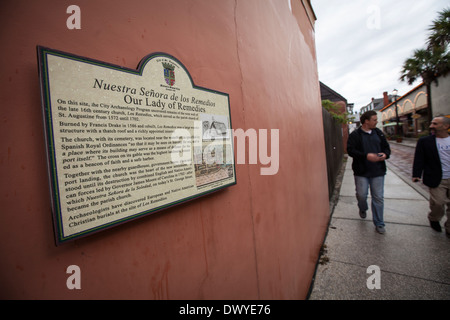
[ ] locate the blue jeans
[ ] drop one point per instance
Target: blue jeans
(376, 185)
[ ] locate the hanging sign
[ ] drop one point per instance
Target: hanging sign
(126, 143)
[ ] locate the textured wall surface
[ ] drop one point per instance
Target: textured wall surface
(258, 239)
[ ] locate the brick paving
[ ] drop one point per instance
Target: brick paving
(401, 161)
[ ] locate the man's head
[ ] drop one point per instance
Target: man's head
(440, 125)
(369, 119)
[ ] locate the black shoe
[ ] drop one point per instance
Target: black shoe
(362, 214)
(436, 226)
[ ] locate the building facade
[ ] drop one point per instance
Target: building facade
(412, 113)
(440, 96)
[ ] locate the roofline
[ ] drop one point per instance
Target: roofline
(390, 104)
(340, 96)
(312, 9)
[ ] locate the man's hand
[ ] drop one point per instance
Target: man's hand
(376, 157)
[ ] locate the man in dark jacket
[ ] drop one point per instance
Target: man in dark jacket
(369, 149)
(432, 158)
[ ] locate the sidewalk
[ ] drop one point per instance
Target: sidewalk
(414, 259)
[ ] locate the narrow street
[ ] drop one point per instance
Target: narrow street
(401, 161)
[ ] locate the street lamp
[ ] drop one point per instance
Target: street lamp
(395, 92)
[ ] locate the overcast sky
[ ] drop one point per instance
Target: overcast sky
(362, 44)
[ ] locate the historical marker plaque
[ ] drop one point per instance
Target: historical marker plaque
(125, 143)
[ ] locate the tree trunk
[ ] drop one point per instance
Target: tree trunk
(430, 113)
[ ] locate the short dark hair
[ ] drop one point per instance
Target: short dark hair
(366, 116)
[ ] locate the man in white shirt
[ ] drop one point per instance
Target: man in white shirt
(432, 158)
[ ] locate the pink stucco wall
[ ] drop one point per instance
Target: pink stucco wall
(259, 239)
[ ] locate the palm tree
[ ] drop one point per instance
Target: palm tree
(432, 62)
(440, 30)
(429, 64)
